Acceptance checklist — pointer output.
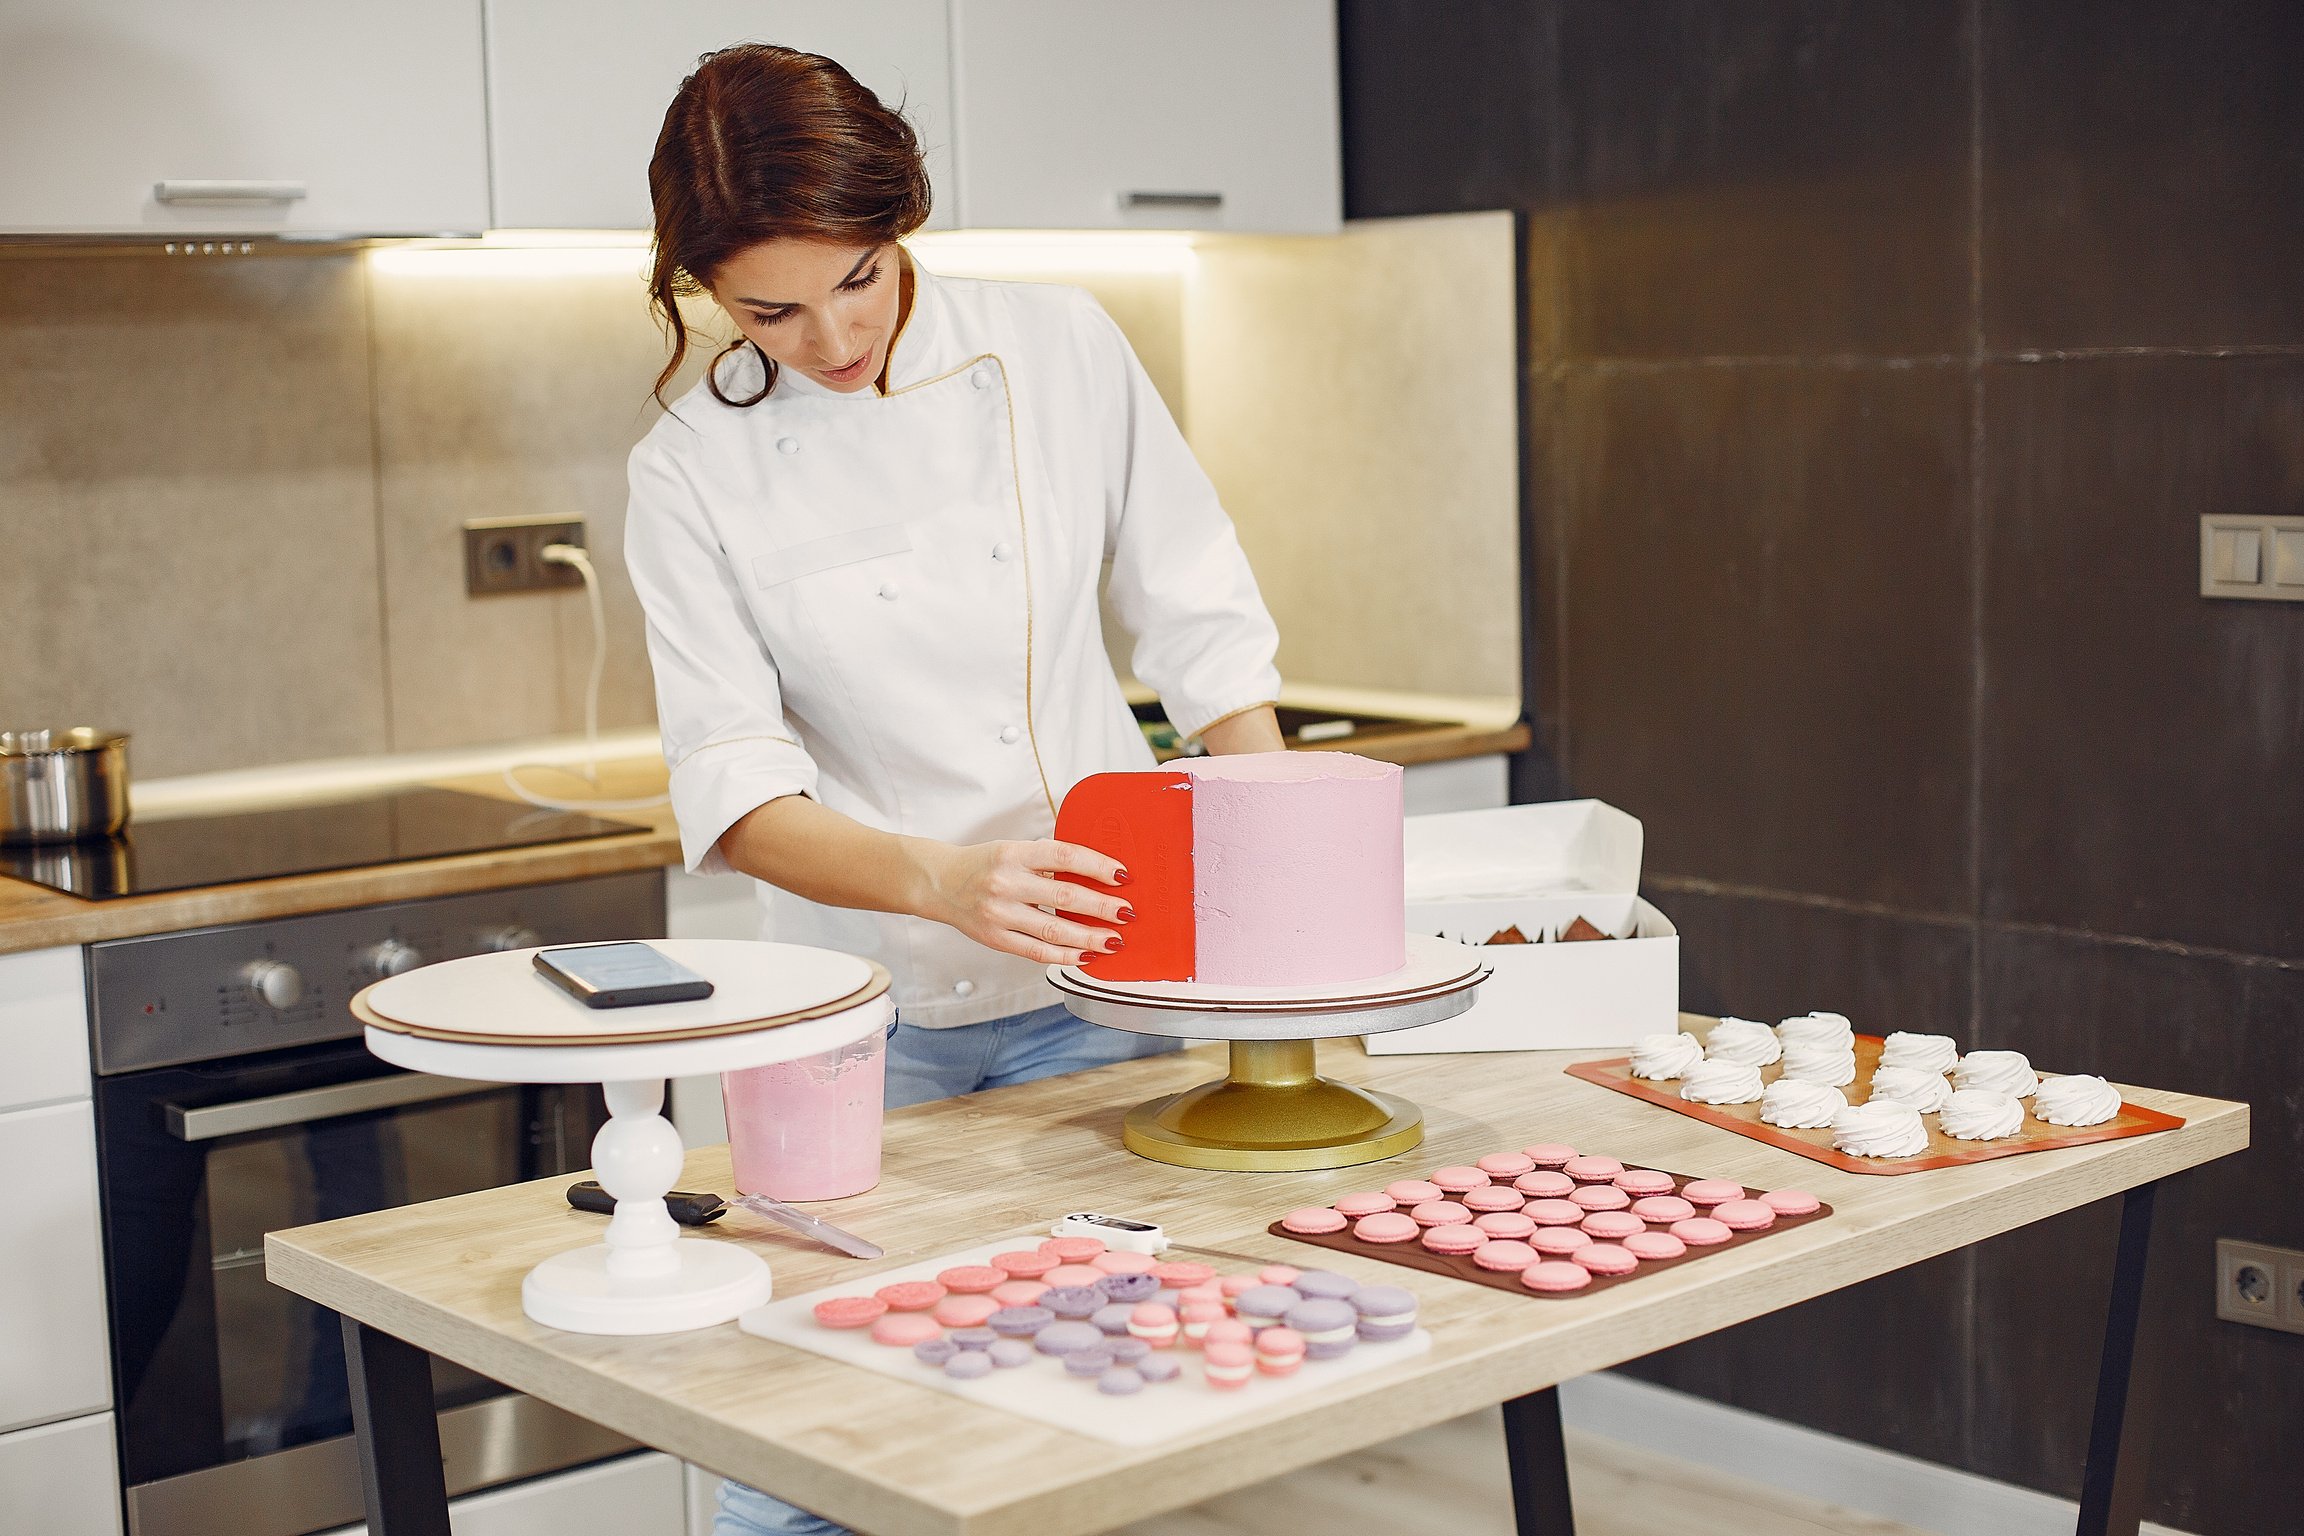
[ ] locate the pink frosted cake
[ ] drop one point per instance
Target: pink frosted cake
(1267, 869)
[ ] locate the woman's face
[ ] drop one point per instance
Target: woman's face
(828, 310)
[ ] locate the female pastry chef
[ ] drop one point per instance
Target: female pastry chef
(868, 545)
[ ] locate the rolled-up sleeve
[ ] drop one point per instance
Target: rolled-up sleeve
(719, 701)
(1180, 584)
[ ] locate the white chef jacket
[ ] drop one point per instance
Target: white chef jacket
(889, 603)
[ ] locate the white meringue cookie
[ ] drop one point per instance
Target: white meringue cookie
(1880, 1129)
(1665, 1055)
(1800, 1106)
(1720, 1082)
(1832, 1065)
(1924, 1053)
(2076, 1100)
(1832, 1029)
(1925, 1091)
(1981, 1114)
(2001, 1071)
(1744, 1040)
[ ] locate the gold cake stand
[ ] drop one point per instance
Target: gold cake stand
(1273, 1112)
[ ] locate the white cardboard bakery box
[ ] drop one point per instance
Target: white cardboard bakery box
(1474, 874)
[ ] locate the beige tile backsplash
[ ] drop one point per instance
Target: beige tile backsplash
(232, 490)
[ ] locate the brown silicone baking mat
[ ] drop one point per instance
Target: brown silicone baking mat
(1943, 1151)
(1414, 1255)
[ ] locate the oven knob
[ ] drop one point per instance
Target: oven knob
(276, 983)
(510, 936)
(392, 957)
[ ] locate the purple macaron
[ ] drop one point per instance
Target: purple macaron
(1006, 1354)
(1386, 1312)
(1112, 1319)
(1324, 1284)
(1073, 1300)
(1127, 1351)
(972, 1338)
(1120, 1381)
(1129, 1288)
(1262, 1306)
(971, 1363)
(1089, 1362)
(1019, 1322)
(1330, 1326)
(1068, 1338)
(934, 1351)
(1158, 1367)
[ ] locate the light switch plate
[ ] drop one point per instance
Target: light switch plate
(2252, 557)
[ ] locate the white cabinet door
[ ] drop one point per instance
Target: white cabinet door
(61, 1479)
(299, 117)
(43, 1028)
(53, 1359)
(639, 1495)
(1147, 114)
(577, 89)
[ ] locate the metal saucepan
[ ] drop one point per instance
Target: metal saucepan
(60, 786)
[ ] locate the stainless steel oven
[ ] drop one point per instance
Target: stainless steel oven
(234, 1097)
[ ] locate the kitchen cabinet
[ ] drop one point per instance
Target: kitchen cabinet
(43, 1028)
(1126, 114)
(53, 1357)
(577, 90)
(274, 117)
(640, 1495)
(61, 1479)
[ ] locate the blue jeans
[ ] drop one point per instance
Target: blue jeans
(926, 1064)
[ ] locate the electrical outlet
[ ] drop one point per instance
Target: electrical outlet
(506, 554)
(2251, 556)
(2257, 1284)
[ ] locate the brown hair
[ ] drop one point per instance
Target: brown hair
(763, 142)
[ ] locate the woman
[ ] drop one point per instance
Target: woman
(869, 547)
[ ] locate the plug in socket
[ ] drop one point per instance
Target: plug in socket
(506, 554)
(2257, 1284)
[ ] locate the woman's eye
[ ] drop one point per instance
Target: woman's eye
(857, 285)
(760, 319)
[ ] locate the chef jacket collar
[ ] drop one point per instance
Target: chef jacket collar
(916, 356)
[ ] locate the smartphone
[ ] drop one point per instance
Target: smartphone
(625, 975)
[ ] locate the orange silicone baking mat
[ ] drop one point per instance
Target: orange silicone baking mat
(1943, 1151)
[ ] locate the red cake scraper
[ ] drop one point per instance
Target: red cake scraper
(1145, 821)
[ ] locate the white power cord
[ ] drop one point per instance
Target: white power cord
(573, 555)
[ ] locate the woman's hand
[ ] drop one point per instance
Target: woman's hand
(1006, 896)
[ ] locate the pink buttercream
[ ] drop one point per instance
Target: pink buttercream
(808, 1129)
(1296, 874)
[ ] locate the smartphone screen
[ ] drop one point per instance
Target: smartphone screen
(623, 975)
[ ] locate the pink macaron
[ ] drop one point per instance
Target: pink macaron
(1701, 1232)
(1278, 1274)
(1386, 1227)
(1230, 1331)
(1229, 1364)
(1210, 1292)
(1515, 1224)
(1554, 1213)
(1600, 1197)
(1613, 1226)
(1312, 1220)
(1176, 1274)
(1506, 1165)
(1020, 1293)
(1549, 1154)
(1367, 1203)
(1544, 1184)
(1234, 1286)
(911, 1295)
(1413, 1191)
(1195, 1318)
(1440, 1213)
(1710, 1191)
(1492, 1197)
(1555, 1276)
(1072, 1250)
(1665, 1208)
(1652, 1247)
(1644, 1181)
(1119, 1261)
(1455, 1180)
(850, 1311)
(1744, 1215)
(1559, 1242)
(1153, 1323)
(1021, 1265)
(973, 1279)
(1504, 1257)
(1792, 1202)
(1605, 1259)
(1454, 1242)
(1073, 1274)
(1279, 1351)
(964, 1310)
(1592, 1170)
(902, 1330)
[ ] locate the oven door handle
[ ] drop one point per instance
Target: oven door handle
(206, 1122)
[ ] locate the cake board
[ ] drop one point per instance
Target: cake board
(1041, 1390)
(1816, 1145)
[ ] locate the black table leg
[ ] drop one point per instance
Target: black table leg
(2112, 1486)
(1539, 1461)
(393, 1419)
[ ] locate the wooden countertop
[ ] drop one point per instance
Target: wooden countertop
(877, 1453)
(35, 917)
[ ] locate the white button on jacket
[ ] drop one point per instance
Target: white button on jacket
(1017, 419)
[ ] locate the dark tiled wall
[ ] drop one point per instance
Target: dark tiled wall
(1882, 355)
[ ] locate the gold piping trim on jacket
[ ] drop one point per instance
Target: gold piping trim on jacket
(695, 752)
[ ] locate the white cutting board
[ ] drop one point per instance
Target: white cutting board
(1042, 1390)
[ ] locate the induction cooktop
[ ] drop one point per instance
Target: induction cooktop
(387, 828)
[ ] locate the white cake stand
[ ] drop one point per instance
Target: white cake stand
(643, 1277)
(1274, 1112)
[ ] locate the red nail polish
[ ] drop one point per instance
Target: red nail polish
(1121, 878)
(1112, 945)
(1127, 914)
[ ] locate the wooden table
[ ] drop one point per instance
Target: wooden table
(890, 1458)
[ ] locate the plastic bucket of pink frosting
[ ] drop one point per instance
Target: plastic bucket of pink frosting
(808, 1129)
